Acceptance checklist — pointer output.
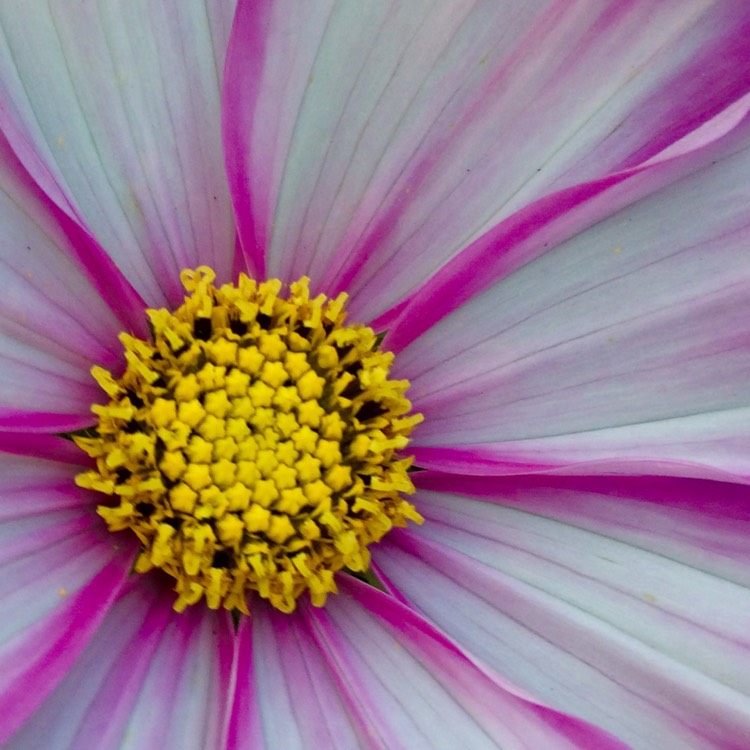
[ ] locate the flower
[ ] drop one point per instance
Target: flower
(544, 207)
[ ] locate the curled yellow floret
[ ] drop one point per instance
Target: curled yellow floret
(253, 444)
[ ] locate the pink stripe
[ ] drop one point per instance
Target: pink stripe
(100, 269)
(105, 276)
(390, 317)
(239, 262)
(670, 123)
(354, 252)
(49, 659)
(388, 585)
(717, 76)
(245, 727)
(42, 446)
(243, 75)
(555, 218)
(491, 258)
(489, 460)
(432, 644)
(471, 460)
(354, 259)
(44, 422)
(320, 633)
(725, 500)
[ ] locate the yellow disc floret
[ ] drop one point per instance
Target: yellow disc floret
(253, 444)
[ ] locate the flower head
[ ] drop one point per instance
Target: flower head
(251, 445)
(263, 261)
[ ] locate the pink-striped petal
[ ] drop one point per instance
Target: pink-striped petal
(53, 323)
(624, 348)
(368, 143)
(621, 600)
(60, 570)
(286, 695)
(123, 132)
(366, 672)
(149, 678)
(41, 445)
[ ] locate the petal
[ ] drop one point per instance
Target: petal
(625, 346)
(119, 134)
(149, 678)
(40, 444)
(366, 672)
(53, 324)
(368, 143)
(620, 600)
(555, 218)
(59, 572)
(286, 695)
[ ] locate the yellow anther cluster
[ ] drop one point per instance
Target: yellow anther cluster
(252, 444)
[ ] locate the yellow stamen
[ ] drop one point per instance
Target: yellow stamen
(252, 445)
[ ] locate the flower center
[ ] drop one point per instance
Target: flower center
(252, 444)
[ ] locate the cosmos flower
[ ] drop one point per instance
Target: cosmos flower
(541, 208)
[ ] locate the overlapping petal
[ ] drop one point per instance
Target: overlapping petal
(59, 572)
(367, 672)
(369, 143)
(624, 348)
(118, 134)
(624, 601)
(147, 679)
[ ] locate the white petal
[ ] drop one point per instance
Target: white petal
(366, 672)
(369, 142)
(123, 132)
(60, 570)
(286, 693)
(150, 678)
(53, 324)
(627, 342)
(624, 601)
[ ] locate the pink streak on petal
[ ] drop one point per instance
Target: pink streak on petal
(493, 256)
(188, 675)
(123, 142)
(76, 241)
(24, 421)
(54, 323)
(645, 120)
(714, 78)
(25, 151)
(594, 592)
(42, 445)
(300, 704)
(245, 729)
(706, 506)
(556, 217)
(625, 345)
(508, 459)
(44, 653)
(720, 125)
(552, 643)
(251, 197)
(390, 317)
(388, 585)
(239, 264)
(387, 654)
(149, 678)
(59, 572)
(47, 492)
(105, 276)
